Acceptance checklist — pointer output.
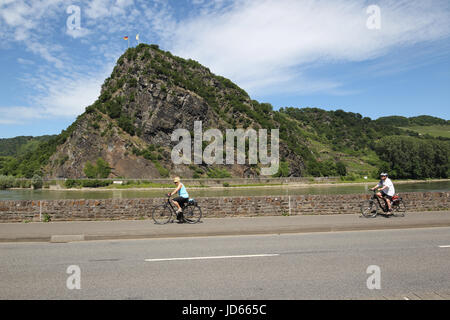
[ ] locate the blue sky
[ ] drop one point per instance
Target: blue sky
(299, 53)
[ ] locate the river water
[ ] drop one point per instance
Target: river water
(210, 192)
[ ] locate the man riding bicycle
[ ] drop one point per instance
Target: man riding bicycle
(183, 197)
(386, 190)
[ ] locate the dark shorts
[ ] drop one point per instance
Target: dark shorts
(386, 196)
(181, 201)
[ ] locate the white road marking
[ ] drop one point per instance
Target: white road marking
(444, 246)
(214, 257)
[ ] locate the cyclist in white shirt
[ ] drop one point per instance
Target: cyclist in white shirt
(387, 190)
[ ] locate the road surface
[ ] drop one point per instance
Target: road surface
(413, 263)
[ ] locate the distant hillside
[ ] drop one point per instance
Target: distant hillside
(150, 93)
(398, 121)
(422, 125)
(438, 131)
(20, 145)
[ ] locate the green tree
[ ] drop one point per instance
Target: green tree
(341, 169)
(283, 170)
(414, 158)
(37, 182)
(100, 170)
(103, 169)
(90, 170)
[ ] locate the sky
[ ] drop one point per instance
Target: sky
(376, 58)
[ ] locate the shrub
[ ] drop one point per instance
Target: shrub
(218, 173)
(37, 182)
(95, 183)
(113, 109)
(100, 170)
(283, 170)
(350, 177)
(90, 171)
(71, 183)
(6, 182)
(23, 183)
(132, 82)
(127, 125)
(341, 169)
(103, 168)
(163, 172)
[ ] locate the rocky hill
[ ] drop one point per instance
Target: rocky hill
(150, 93)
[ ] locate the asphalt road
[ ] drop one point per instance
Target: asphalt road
(328, 265)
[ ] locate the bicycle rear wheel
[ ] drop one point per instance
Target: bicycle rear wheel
(161, 214)
(192, 214)
(400, 209)
(369, 209)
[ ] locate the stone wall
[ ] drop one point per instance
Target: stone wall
(115, 209)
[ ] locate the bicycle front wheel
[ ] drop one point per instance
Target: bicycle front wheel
(369, 209)
(161, 214)
(192, 214)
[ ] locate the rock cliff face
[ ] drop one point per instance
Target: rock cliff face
(150, 94)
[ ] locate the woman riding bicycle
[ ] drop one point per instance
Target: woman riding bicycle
(183, 197)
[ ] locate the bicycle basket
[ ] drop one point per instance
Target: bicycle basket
(192, 202)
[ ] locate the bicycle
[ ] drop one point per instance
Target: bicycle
(163, 214)
(372, 207)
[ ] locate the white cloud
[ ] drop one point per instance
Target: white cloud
(18, 115)
(78, 33)
(68, 97)
(59, 97)
(25, 61)
(97, 9)
(257, 43)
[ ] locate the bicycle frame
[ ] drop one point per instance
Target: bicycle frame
(169, 202)
(394, 204)
(383, 207)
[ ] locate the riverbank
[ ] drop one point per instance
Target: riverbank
(293, 190)
(249, 186)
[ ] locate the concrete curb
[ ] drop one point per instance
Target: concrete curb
(66, 238)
